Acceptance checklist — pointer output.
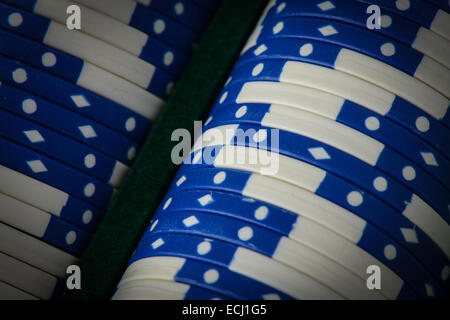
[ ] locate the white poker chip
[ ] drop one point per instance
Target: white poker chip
(8, 292)
(27, 278)
(35, 252)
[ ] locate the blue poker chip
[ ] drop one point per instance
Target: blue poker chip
(24, 103)
(239, 182)
(40, 224)
(209, 5)
(164, 290)
(399, 110)
(66, 236)
(355, 13)
(443, 4)
(54, 173)
(203, 255)
(265, 215)
(267, 243)
(342, 111)
(69, 68)
(184, 12)
(50, 199)
(238, 259)
(383, 158)
(335, 161)
(62, 148)
(164, 28)
(371, 209)
(360, 52)
(343, 35)
(420, 12)
(153, 51)
(134, 69)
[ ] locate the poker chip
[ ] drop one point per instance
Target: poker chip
(331, 107)
(287, 224)
(380, 53)
(64, 149)
(34, 252)
(31, 79)
(421, 12)
(49, 199)
(112, 31)
(71, 124)
(8, 292)
(81, 73)
(328, 144)
(109, 29)
(286, 251)
(379, 157)
(75, 108)
(392, 25)
(43, 225)
(243, 183)
(184, 12)
(444, 5)
(374, 98)
(209, 5)
(164, 290)
(235, 267)
(371, 185)
(54, 173)
(83, 46)
(28, 279)
(436, 106)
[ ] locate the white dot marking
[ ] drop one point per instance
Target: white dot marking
(48, 59)
(380, 184)
(390, 252)
(29, 106)
(245, 233)
(89, 190)
(220, 177)
(204, 248)
(306, 49)
(71, 237)
(372, 123)
(89, 161)
(409, 173)
(354, 198)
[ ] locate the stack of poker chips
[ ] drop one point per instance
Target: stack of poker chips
(75, 106)
(323, 170)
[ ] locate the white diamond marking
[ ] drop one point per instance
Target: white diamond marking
(37, 166)
(326, 5)
(180, 181)
(429, 159)
(157, 243)
(205, 200)
(429, 289)
(328, 30)
(88, 131)
(191, 221)
(34, 136)
(319, 153)
(410, 235)
(80, 101)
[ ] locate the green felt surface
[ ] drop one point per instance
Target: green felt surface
(129, 214)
